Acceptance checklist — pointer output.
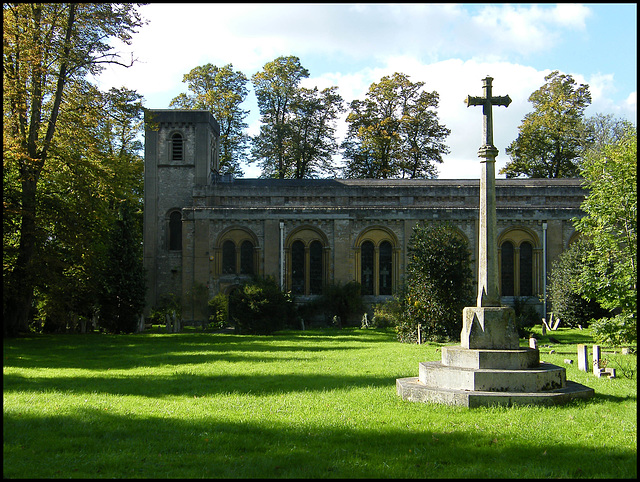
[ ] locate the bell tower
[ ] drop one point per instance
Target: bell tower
(181, 154)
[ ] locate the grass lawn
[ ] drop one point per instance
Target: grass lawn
(316, 404)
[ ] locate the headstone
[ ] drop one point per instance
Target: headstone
(626, 351)
(533, 343)
(596, 360)
(583, 358)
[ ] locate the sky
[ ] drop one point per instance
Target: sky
(449, 47)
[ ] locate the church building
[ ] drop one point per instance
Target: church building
(207, 231)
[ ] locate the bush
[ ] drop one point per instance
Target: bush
(617, 330)
(342, 302)
(387, 313)
(218, 311)
(438, 285)
(526, 316)
(565, 290)
(259, 307)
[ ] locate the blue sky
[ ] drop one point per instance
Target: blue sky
(450, 47)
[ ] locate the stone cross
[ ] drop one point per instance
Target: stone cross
(488, 291)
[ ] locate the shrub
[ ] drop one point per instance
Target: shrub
(342, 302)
(438, 284)
(387, 313)
(218, 311)
(526, 316)
(565, 289)
(259, 307)
(617, 330)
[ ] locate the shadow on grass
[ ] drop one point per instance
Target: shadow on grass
(96, 351)
(181, 384)
(95, 443)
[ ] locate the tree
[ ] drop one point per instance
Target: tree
(565, 288)
(276, 88)
(611, 206)
(221, 91)
(394, 132)
(313, 141)
(122, 292)
(549, 140)
(46, 49)
(438, 284)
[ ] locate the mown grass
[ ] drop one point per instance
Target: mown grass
(314, 404)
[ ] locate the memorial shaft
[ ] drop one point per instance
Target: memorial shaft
(488, 290)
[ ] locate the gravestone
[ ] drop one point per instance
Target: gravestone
(596, 360)
(583, 358)
(489, 367)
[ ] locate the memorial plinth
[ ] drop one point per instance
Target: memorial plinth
(489, 367)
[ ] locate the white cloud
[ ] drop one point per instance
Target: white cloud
(449, 47)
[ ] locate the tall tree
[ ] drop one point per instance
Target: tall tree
(46, 48)
(221, 91)
(394, 132)
(313, 142)
(276, 88)
(611, 224)
(122, 292)
(549, 140)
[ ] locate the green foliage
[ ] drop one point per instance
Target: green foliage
(121, 299)
(259, 307)
(218, 311)
(48, 52)
(438, 284)
(297, 132)
(617, 330)
(343, 301)
(221, 91)
(610, 274)
(387, 313)
(549, 141)
(394, 132)
(568, 303)
(168, 304)
(526, 316)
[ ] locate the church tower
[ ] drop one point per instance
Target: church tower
(181, 155)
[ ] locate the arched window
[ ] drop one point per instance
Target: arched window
(177, 147)
(297, 268)
(520, 263)
(526, 269)
(175, 231)
(507, 269)
(235, 252)
(306, 261)
(385, 268)
(315, 268)
(377, 269)
(367, 267)
(246, 257)
(228, 257)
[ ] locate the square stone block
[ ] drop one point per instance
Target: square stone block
(489, 327)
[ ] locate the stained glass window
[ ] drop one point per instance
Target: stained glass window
(297, 268)
(385, 267)
(246, 257)
(507, 269)
(366, 278)
(228, 257)
(526, 269)
(315, 268)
